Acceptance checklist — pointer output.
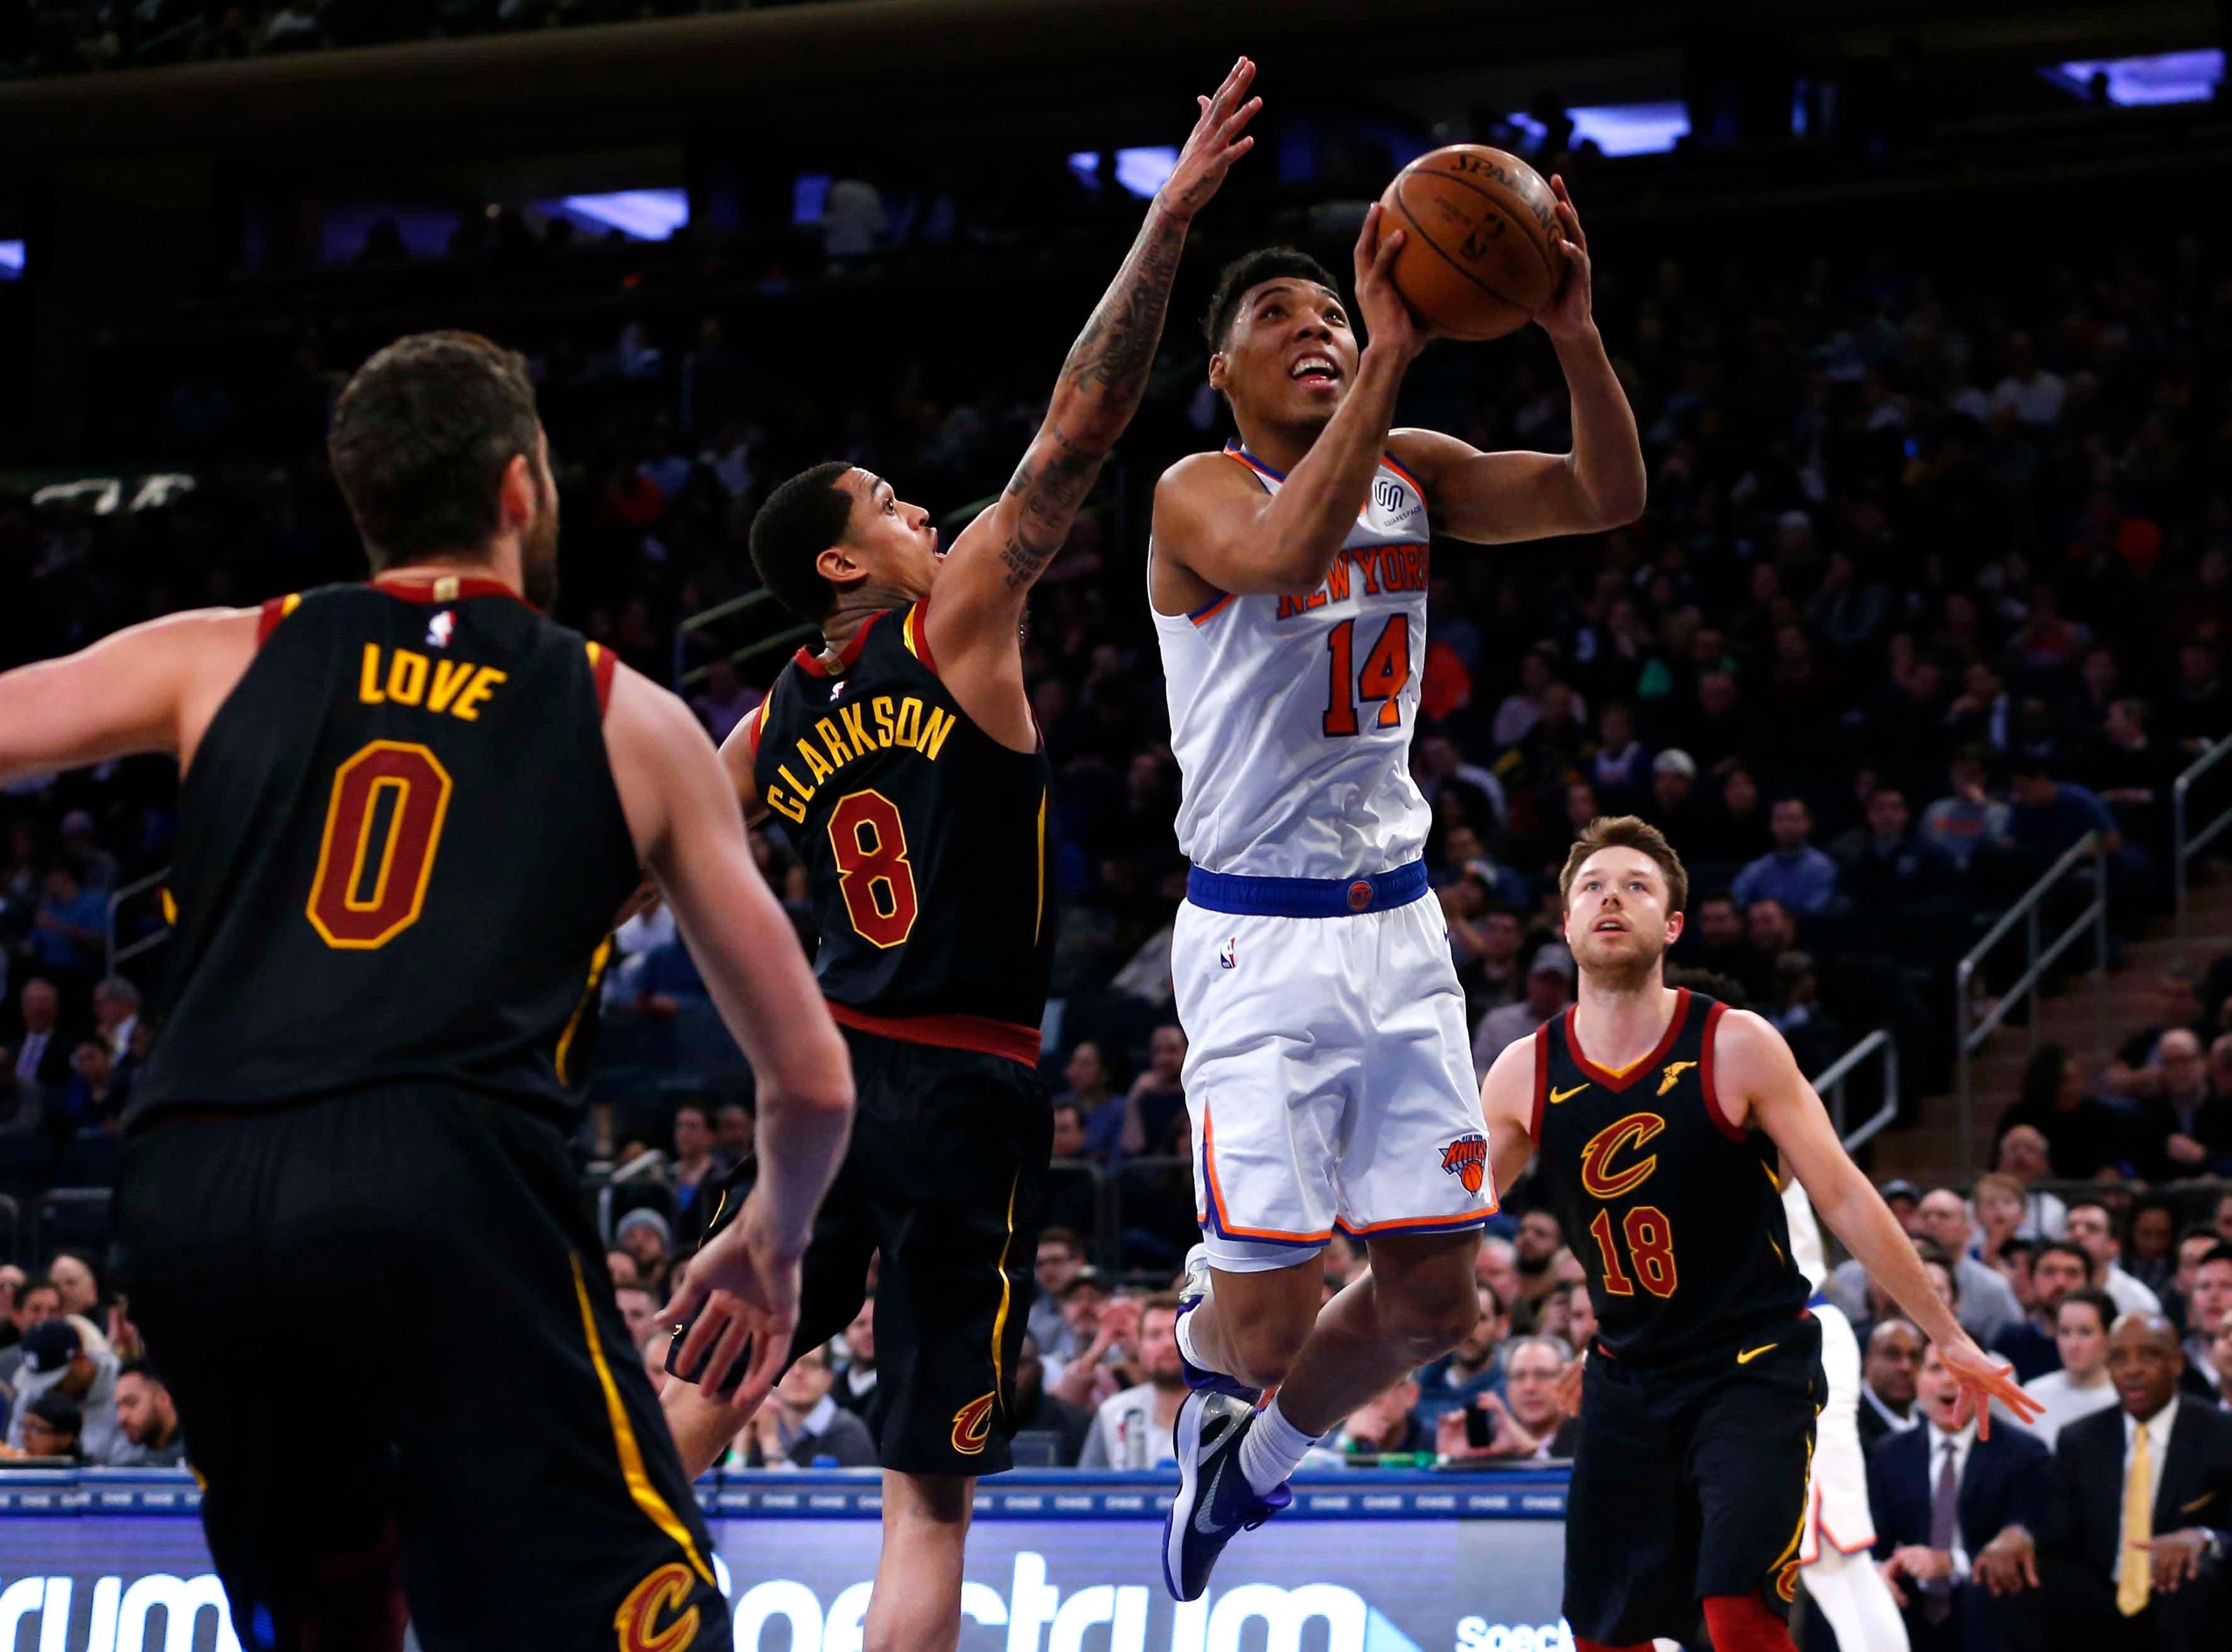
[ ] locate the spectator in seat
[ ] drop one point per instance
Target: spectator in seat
(71, 928)
(2138, 1069)
(1796, 874)
(639, 1312)
(1086, 1074)
(1040, 1412)
(2196, 1243)
(856, 1360)
(2222, 1217)
(1536, 1245)
(35, 1302)
(2082, 1386)
(2182, 1130)
(1580, 1316)
(2133, 773)
(96, 1096)
(1736, 831)
(1674, 807)
(622, 1269)
(1890, 1363)
(801, 1427)
(2152, 1258)
(1816, 1038)
(1620, 768)
(1718, 932)
(1970, 819)
(57, 1358)
(1104, 1325)
(2000, 1203)
(1549, 990)
(2093, 1229)
(1496, 976)
(1769, 932)
(1474, 1367)
(1132, 1428)
(2024, 1155)
(2208, 1309)
(93, 866)
(648, 1237)
(1898, 872)
(2032, 1346)
(2133, 1555)
(1385, 1424)
(733, 1142)
(1157, 1095)
(149, 1420)
(1060, 1255)
(116, 1016)
(693, 1158)
(2083, 1136)
(1955, 1512)
(72, 1275)
(2049, 815)
(54, 1427)
(1988, 1306)
(1525, 1423)
(41, 1048)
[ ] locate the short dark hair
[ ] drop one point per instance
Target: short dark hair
(2221, 1253)
(801, 519)
(1265, 264)
(1063, 1237)
(2099, 1301)
(140, 1368)
(2066, 1249)
(421, 438)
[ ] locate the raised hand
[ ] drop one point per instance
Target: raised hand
(1215, 143)
(1570, 314)
(1388, 322)
(744, 1294)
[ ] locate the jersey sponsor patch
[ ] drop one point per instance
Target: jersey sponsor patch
(1466, 1158)
(1670, 1074)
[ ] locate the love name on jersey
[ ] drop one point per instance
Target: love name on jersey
(1377, 567)
(880, 724)
(455, 688)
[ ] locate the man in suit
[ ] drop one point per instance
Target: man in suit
(38, 1045)
(1954, 1513)
(2142, 1510)
(1888, 1369)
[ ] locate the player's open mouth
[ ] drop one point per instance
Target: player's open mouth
(1314, 370)
(1610, 926)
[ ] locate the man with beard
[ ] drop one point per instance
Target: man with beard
(1665, 1124)
(410, 811)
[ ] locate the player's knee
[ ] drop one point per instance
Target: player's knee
(1429, 1320)
(1267, 1349)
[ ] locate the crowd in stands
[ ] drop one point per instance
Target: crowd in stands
(79, 37)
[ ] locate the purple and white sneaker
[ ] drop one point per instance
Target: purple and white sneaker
(1191, 1294)
(1214, 1502)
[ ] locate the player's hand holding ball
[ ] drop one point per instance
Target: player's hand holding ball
(1389, 323)
(1218, 139)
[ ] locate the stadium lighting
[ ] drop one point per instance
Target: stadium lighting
(640, 214)
(2165, 77)
(1630, 128)
(1142, 171)
(12, 260)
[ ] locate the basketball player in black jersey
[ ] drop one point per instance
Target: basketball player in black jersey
(903, 759)
(1664, 1122)
(347, 1218)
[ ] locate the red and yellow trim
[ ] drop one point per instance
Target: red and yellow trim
(444, 588)
(1628, 1074)
(1705, 1082)
(274, 611)
(984, 1033)
(809, 660)
(604, 665)
(914, 631)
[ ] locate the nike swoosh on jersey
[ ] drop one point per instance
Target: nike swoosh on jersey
(1749, 1355)
(1557, 1095)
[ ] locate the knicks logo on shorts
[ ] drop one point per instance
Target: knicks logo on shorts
(972, 1425)
(661, 1596)
(1466, 1158)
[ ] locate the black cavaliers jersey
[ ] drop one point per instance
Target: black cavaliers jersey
(401, 852)
(1676, 1213)
(924, 841)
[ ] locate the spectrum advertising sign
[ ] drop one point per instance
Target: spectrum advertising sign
(1363, 1565)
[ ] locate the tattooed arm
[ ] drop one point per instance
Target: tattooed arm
(971, 623)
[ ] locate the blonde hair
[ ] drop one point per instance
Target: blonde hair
(1627, 831)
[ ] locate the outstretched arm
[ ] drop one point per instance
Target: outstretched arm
(1495, 498)
(1757, 1073)
(992, 565)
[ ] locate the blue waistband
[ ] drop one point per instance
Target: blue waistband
(1220, 891)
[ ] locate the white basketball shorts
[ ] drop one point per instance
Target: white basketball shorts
(1329, 1077)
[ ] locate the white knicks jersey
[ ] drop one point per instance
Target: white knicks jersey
(1291, 716)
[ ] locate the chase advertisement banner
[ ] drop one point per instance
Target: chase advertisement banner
(1364, 1562)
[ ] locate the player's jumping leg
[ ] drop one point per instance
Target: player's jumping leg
(915, 1602)
(1265, 1330)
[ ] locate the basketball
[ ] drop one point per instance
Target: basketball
(1479, 257)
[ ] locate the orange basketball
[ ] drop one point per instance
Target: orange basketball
(1480, 254)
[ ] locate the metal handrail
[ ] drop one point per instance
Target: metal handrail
(786, 637)
(2093, 846)
(1830, 1081)
(721, 610)
(2183, 850)
(145, 942)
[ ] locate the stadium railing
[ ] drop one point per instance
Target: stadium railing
(2090, 851)
(1832, 1079)
(2186, 847)
(124, 953)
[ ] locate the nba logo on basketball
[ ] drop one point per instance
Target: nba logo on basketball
(440, 628)
(1225, 953)
(1466, 1158)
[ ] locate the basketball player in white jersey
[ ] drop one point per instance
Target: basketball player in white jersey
(1327, 1070)
(1840, 1528)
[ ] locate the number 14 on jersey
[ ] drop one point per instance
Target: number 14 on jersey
(1385, 672)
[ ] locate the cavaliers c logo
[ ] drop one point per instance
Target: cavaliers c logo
(1632, 1131)
(972, 1425)
(638, 1619)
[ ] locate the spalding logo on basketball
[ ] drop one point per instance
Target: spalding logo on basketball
(1481, 256)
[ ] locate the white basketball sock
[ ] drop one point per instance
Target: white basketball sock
(1274, 1450)
(1185, 1343)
